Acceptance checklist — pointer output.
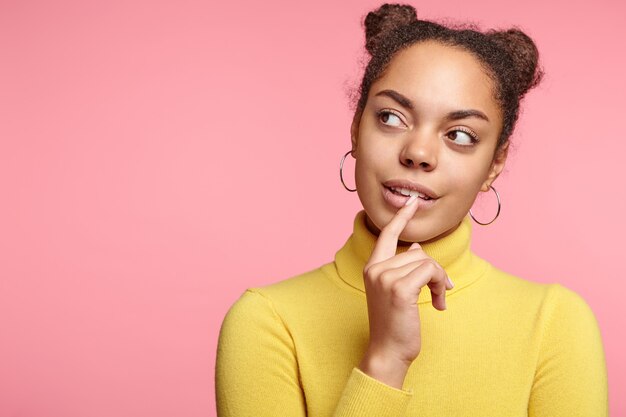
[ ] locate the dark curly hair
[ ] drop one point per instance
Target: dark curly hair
(509, 57)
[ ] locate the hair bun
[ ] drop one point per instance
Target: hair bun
(384, 19)
(524, 54)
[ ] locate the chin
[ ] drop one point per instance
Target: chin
(419, 229)
(413, 233)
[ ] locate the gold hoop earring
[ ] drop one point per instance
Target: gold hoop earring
(497, 214)
(341, 172)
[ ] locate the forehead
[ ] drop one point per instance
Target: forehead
(440, 77)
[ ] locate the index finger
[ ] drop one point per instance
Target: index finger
(387, 242)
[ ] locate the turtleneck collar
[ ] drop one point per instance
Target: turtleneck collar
(452, 252)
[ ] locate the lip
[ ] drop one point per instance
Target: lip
(398, 201)
(422, 189)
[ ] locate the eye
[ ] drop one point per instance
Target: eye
(386, 115)
(462, 137)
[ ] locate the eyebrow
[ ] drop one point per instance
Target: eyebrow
(455, 115)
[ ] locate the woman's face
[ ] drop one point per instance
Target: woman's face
(418, 129)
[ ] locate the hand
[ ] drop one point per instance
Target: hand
(392, 286)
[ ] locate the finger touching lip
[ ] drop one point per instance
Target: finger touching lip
(397, 200)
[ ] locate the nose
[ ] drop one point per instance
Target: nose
(420, 150)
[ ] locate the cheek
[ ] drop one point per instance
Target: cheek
(369, 165)
(365, 167)
(369, 161)
(464, 179)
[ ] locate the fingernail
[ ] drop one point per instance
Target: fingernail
(451, 283)
(410, 200)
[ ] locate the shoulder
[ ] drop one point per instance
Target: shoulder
(563, 296)
(562, 315)
(252, 323)
(301, 293)
(250, 310)
(551, 300)
(513, 289)
(312, 280)
(278, 299)
(567, 311)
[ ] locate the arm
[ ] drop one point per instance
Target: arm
(364, 396)
(571, 378)
(256, 372)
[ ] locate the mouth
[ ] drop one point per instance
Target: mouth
(406, 188)
(396, 193)
(405, 192)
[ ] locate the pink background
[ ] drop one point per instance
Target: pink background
(157, 158)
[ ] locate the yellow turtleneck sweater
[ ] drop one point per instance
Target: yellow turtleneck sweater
(504, 347)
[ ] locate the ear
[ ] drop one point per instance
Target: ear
(497, 165)
(354, 130)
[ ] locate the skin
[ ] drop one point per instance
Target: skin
(420, 145)
(438, 79)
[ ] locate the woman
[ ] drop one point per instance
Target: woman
(359, 336)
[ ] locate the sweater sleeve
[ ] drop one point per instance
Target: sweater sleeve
(368, 397)
(256, 371)
(571, 376)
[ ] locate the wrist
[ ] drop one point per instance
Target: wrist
(385, 368)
